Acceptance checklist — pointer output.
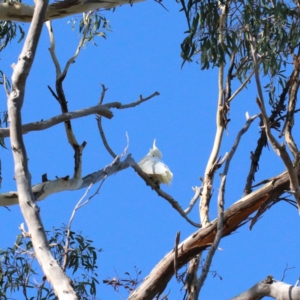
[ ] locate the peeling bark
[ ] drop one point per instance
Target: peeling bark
(200, 240)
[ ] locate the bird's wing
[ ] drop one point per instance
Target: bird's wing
(153, 165)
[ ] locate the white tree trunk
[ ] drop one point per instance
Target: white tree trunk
(54, 274)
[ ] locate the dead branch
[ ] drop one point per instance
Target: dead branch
(119, 105)
(45, 124)
(103, 137)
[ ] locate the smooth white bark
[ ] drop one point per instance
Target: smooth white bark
(270, 288)
(16, 11)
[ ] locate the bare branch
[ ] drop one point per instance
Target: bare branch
(234, 217)
(214, 246)
(177, 240)
(237, 141)
(79, 204)
(45, 124)
(196, 196)
(130, 105)
(102, 110)
(86, 22)
(104, 89)
(52, 49)
(221, 124)
(272, 288)
(141, 100)
(103, 137)
(241, 87)
(43, 190)
(55, 275)
(17, 11)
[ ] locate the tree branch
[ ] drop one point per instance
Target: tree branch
(234, 217)
(221, 125)
(280, 150)
(45, 124)
(161, 193)
(55, 275)
(270, 288)
(217, 238)
(16, 11)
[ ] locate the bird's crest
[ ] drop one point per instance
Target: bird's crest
(155, 152)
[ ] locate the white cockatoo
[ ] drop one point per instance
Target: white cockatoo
(152, 165)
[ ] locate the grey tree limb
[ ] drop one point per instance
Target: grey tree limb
(234, 217)
(45, 124)
(217, 239)
(54, 274)
(45, 189)
(270, 288)
(16, 11)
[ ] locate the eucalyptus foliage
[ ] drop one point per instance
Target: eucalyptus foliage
(19, 271)
(273, 24)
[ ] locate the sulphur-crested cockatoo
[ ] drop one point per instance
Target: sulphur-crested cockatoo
(152, 165)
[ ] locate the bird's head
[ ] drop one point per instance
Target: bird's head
(155, 152)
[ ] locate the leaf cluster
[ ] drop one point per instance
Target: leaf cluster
(275, 25)
(19, 271)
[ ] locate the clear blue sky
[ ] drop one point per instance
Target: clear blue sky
(132, 225)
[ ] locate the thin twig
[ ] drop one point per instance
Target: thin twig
(241, 87)
(78, 206)
(132, 104)
(52, 48)
(177, 240)
(104, 89)
(5, 85)
(103, 137)
(81, 43)
(197, 190)
(237, 141)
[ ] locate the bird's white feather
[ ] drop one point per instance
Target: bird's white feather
(152, 165)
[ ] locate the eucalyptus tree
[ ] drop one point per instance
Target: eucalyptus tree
(244, 40)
